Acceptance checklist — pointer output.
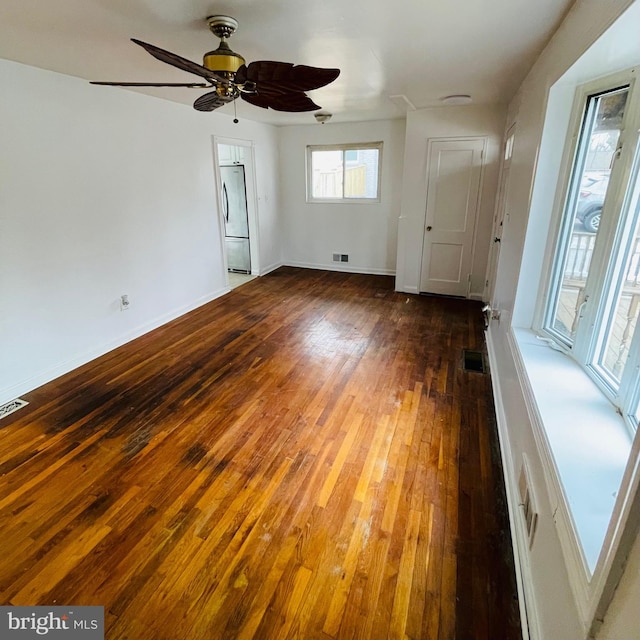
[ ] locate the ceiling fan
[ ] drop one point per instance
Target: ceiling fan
(264, 83)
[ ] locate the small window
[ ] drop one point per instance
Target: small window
(344, 173)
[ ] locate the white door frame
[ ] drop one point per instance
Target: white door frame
(500, 214)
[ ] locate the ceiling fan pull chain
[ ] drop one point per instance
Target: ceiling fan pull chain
(235, 113)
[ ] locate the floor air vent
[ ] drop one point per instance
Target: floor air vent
(473, 361)
(10, 407)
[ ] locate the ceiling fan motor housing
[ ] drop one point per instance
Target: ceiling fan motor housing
(223, 60)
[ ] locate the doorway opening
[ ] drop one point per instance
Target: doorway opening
(237, 206)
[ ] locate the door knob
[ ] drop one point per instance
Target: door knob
(496, 239)
(429, 228)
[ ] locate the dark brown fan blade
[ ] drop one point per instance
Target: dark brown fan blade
(275, 78)
(178, 61)
(292, 102)
(199, 85)
(210, 101)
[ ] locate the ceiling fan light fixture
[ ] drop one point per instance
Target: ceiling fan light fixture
(457, 99)
(322, 116)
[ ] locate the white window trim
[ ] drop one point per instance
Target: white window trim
(592, 591)
(584, 346)
(343, 147)
(626, 391)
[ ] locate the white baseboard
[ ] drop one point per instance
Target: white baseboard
(519, 538)
(416, 291)
(269, 269)
(412, 290)
(341, 266)
(55, 371)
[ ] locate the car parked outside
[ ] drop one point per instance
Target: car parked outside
(593, 189)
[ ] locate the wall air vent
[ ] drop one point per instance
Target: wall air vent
(527, 500)
(10, 407)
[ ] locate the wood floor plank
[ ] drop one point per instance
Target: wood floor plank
(302, 458)
(338, 463)
(359, 539)
(404, 583)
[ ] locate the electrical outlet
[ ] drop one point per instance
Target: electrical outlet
(124, 302)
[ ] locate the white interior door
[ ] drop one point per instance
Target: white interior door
(454, 169)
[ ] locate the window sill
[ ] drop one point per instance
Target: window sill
(589, 441)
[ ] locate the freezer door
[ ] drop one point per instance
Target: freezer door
(238, 258)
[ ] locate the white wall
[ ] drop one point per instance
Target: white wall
(106, 192)
(552, 604)
(367, 232)
(445, 122)
(267, 189)
(623, 619)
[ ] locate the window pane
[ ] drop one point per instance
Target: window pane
(344, 173)
(589, 183)
(326, 172)
(361, 173)
(625, 304)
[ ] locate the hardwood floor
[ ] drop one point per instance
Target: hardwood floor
(302, 458)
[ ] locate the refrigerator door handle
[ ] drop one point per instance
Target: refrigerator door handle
(225, 203)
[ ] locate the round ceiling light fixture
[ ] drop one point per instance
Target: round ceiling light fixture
(322, 116)
(457, 99)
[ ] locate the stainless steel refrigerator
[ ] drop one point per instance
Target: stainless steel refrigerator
(236, 221)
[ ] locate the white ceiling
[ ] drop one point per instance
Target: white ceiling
(422, 49)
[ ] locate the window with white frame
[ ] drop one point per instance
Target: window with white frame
(593, 296)
(344, 173)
